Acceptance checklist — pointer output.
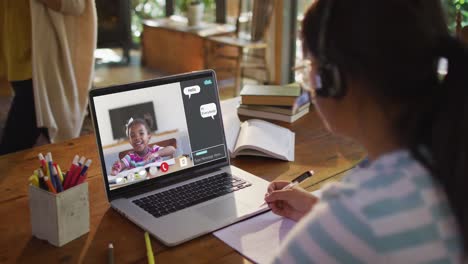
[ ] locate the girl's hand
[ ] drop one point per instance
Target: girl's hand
(293, 203)
(152, 157)
(116, 168)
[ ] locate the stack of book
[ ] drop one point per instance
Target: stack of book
(275, 102)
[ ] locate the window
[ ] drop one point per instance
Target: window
(451, 9)
(145, 9)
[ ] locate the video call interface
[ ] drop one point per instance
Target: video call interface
(187, 112)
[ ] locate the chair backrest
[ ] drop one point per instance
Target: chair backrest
(163, 143)
(260, 20)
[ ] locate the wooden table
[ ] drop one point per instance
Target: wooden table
(315, 149)
(169, 45)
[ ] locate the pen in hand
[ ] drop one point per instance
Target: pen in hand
(295, 182)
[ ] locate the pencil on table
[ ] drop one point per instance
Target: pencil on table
(149, 249)
(110, 253)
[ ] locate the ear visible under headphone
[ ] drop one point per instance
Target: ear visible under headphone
(330, 82)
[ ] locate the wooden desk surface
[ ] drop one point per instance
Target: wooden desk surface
(315, 149)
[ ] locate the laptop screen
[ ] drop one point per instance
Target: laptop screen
(158, 129)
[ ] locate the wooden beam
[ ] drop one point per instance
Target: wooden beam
(284, 40)
(220, 7)
(278, 29)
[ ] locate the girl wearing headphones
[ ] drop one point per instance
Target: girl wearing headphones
(376, 74)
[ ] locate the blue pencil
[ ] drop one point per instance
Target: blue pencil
(51, 172)
(57, 180)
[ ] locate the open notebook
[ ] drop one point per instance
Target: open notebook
(259, 237)
(255, 137)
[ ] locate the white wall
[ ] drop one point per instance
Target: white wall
(167, 100)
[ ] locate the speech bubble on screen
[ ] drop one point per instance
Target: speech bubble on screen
(191, 90)
(208, 110)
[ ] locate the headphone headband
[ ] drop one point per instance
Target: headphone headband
(331, 82)
(323, 31)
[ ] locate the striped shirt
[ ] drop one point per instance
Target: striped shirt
(390, 212)
(133, 160)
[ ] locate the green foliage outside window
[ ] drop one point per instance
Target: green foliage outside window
(148, 9)
(144, 9)
(451, 8)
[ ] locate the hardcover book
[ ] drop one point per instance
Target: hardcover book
(273, 116)
(284, 95)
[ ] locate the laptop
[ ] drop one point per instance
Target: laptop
(189, 188)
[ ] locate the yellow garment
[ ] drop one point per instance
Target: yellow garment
(15, 40)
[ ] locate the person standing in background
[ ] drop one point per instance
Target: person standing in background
(20, 130)
(57, 55)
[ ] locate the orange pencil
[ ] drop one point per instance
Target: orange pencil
(49, 184)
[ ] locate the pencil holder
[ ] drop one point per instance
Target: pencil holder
(59, 218)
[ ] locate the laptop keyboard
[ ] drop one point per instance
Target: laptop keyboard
(184, 196)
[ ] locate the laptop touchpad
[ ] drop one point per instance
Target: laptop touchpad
(223, 209)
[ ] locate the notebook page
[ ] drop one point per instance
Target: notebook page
(258, 238)
(231, 121)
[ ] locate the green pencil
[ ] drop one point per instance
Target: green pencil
(149, 249)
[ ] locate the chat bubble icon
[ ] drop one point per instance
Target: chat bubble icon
(208, 110)
(191, 90)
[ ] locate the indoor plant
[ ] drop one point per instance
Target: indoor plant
(195, 10)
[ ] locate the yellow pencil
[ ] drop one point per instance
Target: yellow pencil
(59, 172)
(34, 180)
(149, 249)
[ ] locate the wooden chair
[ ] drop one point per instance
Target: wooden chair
(250, 48)
(163, 143)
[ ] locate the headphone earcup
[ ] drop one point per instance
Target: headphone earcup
(330, 82)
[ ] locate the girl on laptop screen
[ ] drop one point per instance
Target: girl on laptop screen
(389, 75)
(139, 135)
